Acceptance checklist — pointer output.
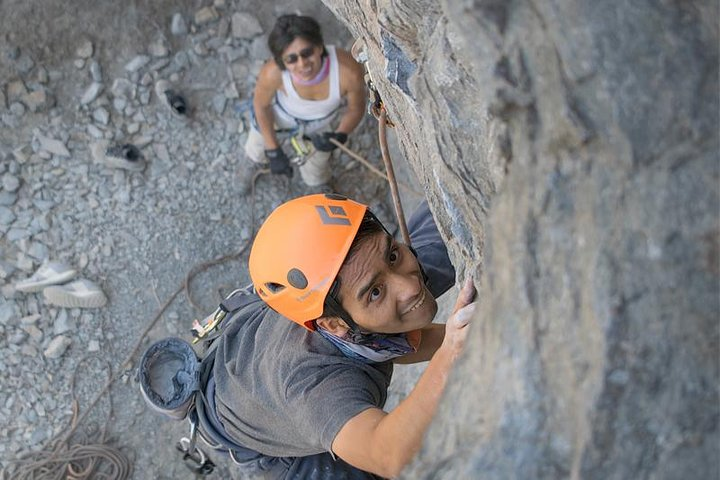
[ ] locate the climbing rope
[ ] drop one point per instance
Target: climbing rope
(372, 168)
(391, 178)
(90, 456)
(377, 109)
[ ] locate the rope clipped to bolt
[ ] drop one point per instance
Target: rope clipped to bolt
(377, 109)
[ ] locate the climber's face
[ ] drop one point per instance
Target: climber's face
(382, 287)
(303, 59)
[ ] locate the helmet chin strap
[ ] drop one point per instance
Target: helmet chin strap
(342, 313)
(338, 309)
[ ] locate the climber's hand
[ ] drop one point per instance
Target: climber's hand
(279, 162)
(455, 328)
(322, 143)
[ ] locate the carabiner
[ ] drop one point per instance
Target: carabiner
(195, 460)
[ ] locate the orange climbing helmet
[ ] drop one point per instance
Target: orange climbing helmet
(298, 252)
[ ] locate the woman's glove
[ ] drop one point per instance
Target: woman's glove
(322, 143)
(279, 162)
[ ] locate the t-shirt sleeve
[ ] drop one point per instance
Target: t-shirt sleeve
(431, 250)
(324, 402)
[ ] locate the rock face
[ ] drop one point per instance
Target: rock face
(570, 152)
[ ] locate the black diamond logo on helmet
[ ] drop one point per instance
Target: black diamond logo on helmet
(335, 216)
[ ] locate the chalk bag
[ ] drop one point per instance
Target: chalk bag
(169, 376)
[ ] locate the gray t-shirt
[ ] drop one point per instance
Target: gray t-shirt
(284, 391)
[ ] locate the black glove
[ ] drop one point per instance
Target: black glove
(321, 141)
(279, 162)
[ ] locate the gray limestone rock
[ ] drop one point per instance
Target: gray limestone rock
(57, 347)
(96, 71)
(17, 109)
(85, 49)
(158, 48)
(573, 172)
(122, 87)
(42, 75)
(10, 182)
(53, 146)
(137, 63)
(91, 93)
(7, 198)
(24, 64)
(245, 25)
(7, 312)
(101, 115)
(94, 131)
(16, 90)
(259, 49)
(6, 268)
(178, 27)
(39, 100)
(205, 15)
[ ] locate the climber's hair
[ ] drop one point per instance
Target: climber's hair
(289, 27)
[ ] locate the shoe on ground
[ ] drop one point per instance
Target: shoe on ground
(124, 156)
(78, 294)
(51, 273)
(171, 99)
(246, 175)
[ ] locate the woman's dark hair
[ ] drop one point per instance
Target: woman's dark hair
(289, 27)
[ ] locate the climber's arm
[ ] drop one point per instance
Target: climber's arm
(383, 443)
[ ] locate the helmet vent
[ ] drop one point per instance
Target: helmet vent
(274, 287)
(297, 279)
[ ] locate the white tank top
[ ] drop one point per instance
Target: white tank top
(293, 105)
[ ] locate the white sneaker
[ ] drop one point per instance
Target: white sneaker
(50, 273)
(78, 294)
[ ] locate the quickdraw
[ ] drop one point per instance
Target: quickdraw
(210, 323)
(201, 330)
(302, 149)
(196, 461)
(192, 456)
(375, 103)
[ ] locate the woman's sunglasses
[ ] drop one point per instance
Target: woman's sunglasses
(305, 53)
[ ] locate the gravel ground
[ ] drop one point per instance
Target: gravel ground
(72, 75)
